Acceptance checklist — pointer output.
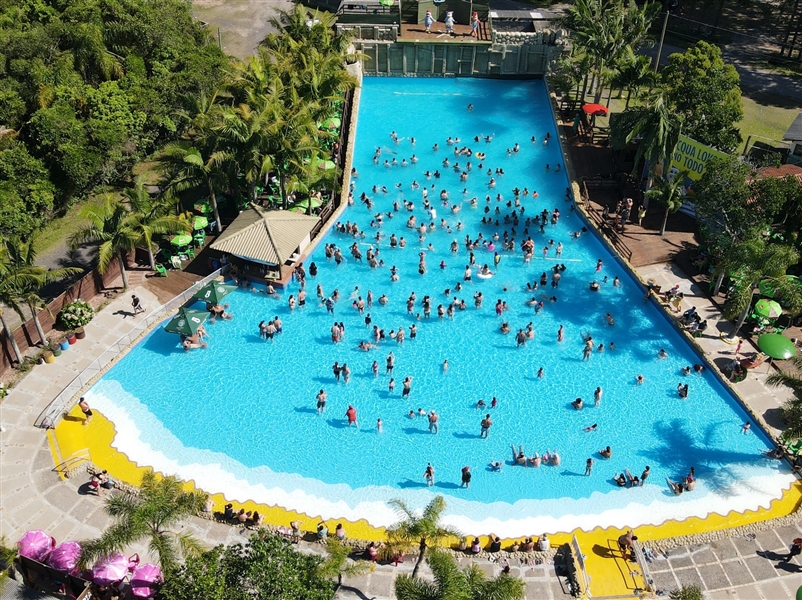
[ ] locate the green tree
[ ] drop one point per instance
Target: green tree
(424, 529)
(687, 592)
(792, 408)
(669, 193)
(266, 567)
(26, 192)
(338, 563)
(115, 229)
(152, 514)
(21, 258)
(655, 128)
(705, 92)
(723, 199)
(453, 583)
(758, 261)
(632, 73)
(153, 216)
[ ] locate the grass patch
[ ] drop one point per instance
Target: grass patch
(766, 121)
(60, 229)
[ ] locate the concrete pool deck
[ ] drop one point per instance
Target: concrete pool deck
(33, 496)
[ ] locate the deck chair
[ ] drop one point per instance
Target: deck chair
(190, 253)
(160, 269)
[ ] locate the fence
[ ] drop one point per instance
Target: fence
(54, 411)
(88, 287)
(603, 226)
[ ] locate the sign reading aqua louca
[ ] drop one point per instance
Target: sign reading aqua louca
(692, 156)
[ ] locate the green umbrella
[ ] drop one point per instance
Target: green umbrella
(214, 291)
(326, 165)
(768, 308)
(776, 346)
(187, 321)
(304, 204)
(331, 123)
(203, 207)
(182, 239)
(200, 222)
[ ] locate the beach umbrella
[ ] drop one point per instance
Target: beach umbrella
(331, 123)
(214, 291)
(777, 346)
(36, 545)
(200, 222)
(65, 557)
(182, 239)
(386, 2)
(145, 580)
(110, 569)
(597, 110)
(768, 308)
(203, 207)
(186, 321)
(326, 165)
(304, 204)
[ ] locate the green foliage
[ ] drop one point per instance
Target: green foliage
(265, 568)
(95, 82)
(670, 193)
(705, 92)
(26, 193)
(722, 198)
(160, 506)
(76, 314)
(453, 583)
(687, 592)
(338, 564)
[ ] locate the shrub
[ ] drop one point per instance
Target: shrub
(75, 314)
(688, 592)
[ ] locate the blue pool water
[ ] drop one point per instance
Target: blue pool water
(246, 407)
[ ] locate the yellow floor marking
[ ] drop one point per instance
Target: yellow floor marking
(610, 574)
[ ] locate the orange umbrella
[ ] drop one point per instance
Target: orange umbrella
(597, 110)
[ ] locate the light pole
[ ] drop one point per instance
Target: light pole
(662, 37)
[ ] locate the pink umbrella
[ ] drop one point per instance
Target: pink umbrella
(65, 557)
(36, 545)
(146, 580)
(110, 569)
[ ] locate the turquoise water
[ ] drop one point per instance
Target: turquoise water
(254, 401)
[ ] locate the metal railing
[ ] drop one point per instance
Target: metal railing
(648, 580)
(54, 411)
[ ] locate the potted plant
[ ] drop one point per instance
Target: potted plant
(80, 333)
(65, 345)
(70, 337)
(49, 356)
(76, 314)
(55, 348)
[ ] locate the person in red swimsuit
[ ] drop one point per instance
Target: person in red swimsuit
(351, 416)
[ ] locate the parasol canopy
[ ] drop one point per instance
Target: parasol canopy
(36, 545)
(777, 346)
(145, 580)
(333, 122)
(182, 239)
(768, 308)
(65, 557)
(326, 165)
(597, 110)
(199, 222)
(214, 291)
(110, 569)
(203, 207)
(187, 321)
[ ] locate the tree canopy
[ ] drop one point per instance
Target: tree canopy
(265, 568)
(88, 87)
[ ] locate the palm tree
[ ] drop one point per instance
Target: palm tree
(159, 507)
(633, 73)
(425, 528)
(11, 282)
(759, 261)
(655, 127)
(153, 216)
(669, 192)
(792, 409)
(452, 583)
(338, 563)
(21, 259)
(115, 228)
(190, 167)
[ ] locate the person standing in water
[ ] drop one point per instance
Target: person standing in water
(350, 414)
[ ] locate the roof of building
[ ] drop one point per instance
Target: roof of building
(781, 171)
(265, 236)
(794, 132)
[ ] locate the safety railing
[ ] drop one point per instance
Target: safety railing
(54, 411)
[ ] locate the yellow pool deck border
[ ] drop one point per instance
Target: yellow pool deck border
(610, 574)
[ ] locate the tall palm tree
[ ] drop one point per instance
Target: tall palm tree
(633, 73)
(338, 564)
(153, 216)
(192, 166)
(12, 280)
(655, 127)
(152, 514)
(759, 261)
(452, 583)
(21, 259)
(423, 528)
(792, 409)
(116, 231)
(670, 192)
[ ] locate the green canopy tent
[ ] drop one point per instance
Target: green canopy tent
(187, 321)
(214, 292)
(768, 309)
(776, 346)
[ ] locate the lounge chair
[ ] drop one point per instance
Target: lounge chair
(160, 269)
